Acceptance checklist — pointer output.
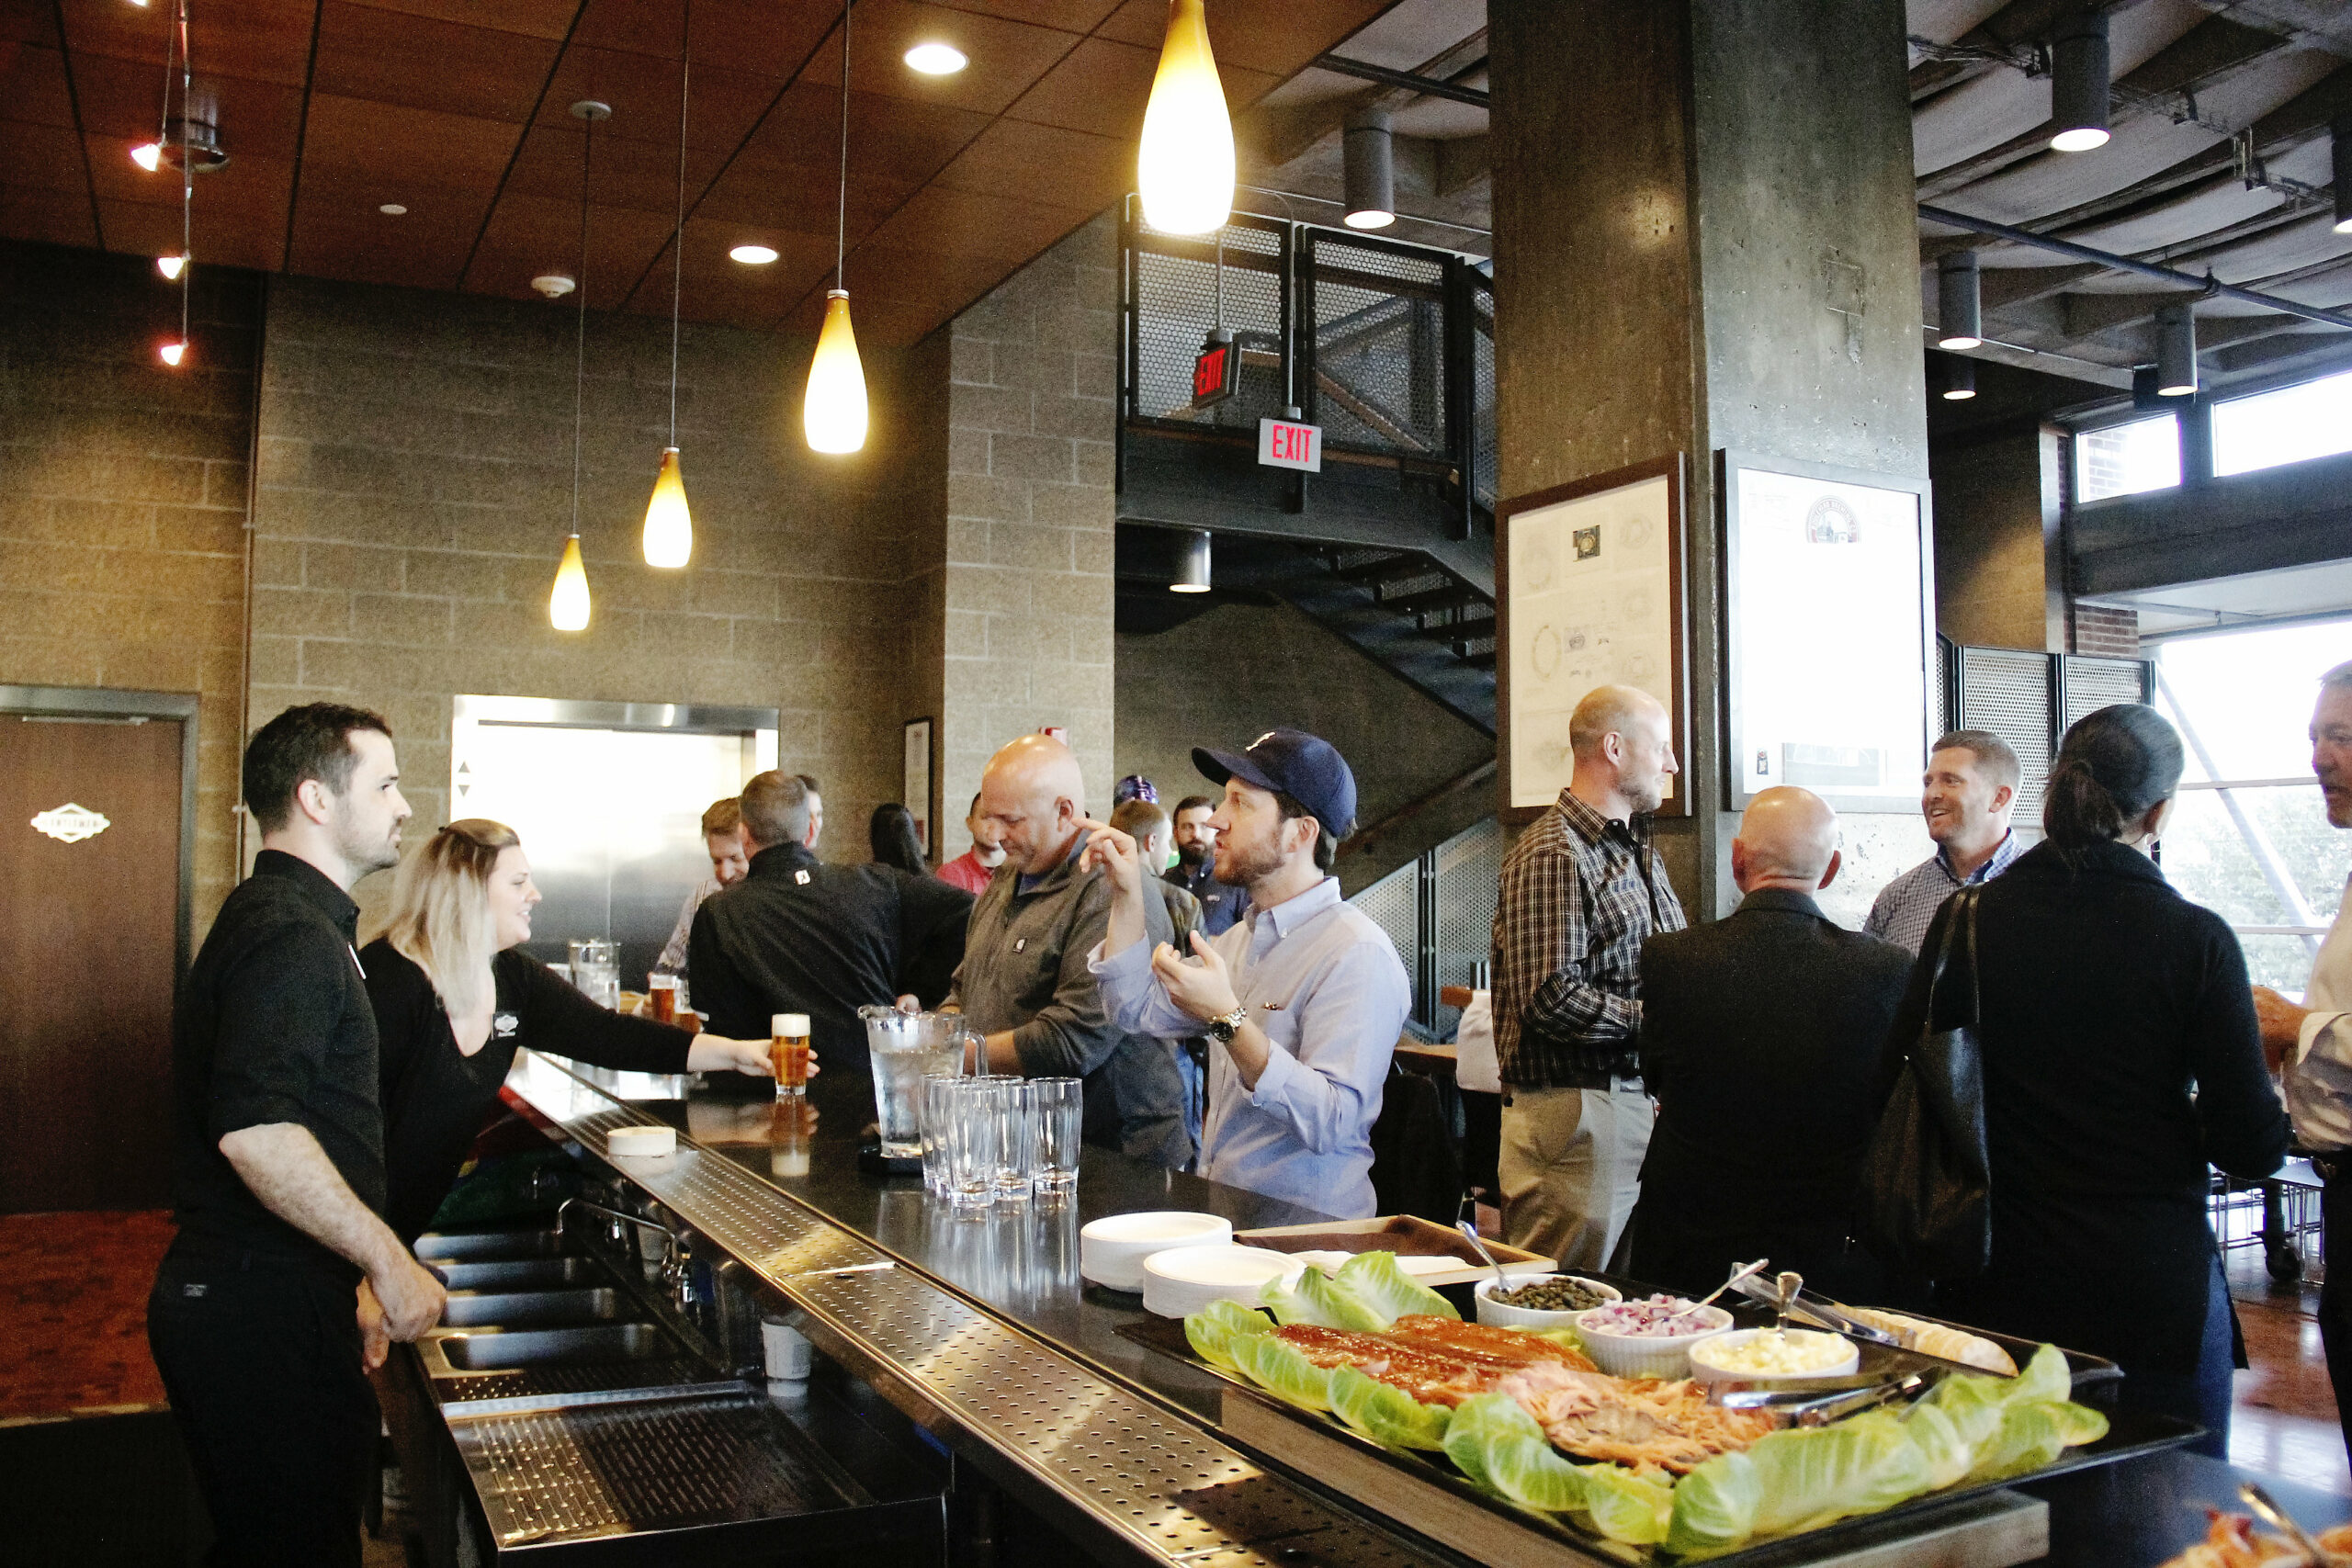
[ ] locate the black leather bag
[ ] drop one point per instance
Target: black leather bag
(1926, 1199)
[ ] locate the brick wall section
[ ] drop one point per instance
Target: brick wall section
(415, 490)
(1027, 590)
(122, 500)
(2100, 629)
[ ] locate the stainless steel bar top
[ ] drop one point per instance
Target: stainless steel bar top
(1039, 1414)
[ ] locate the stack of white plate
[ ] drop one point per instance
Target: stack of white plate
(1186, 1280)
(1111, 1250)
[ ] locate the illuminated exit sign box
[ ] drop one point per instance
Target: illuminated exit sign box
(1217, 373)
(1287, 443)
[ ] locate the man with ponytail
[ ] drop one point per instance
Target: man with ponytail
(2313, 1043)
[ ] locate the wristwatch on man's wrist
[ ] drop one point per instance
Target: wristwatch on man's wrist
(1225, 1026)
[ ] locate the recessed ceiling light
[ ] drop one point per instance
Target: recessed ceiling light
(393, 209)
(936, 59)
(752, 255)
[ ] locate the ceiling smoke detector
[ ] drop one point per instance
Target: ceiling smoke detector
(554, 285)
(198, 140)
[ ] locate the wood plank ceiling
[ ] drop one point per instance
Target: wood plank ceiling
(459, 111)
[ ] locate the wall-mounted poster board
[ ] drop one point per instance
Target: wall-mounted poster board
(1828, 632)
(1589, 593)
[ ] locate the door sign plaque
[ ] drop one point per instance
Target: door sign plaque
(69, 824)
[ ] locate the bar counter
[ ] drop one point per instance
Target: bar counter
(1017, 1270)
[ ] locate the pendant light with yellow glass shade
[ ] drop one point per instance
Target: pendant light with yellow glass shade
(567, 605)
(669, 526)
(833, 416)
(1184, 168)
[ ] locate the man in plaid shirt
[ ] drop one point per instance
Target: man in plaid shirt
(1581, 889)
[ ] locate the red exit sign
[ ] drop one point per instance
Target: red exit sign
(1288, 443)
(1217, 374)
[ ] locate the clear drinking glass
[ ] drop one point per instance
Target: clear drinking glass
(1016, 1155)
(1057, 1112)
(938, 1102)
(974, 1118)
(597, 970)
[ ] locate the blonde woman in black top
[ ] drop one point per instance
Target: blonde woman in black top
(454, 1001)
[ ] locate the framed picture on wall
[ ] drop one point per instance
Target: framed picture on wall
(1829, 654)
(917, 794)
(1589, 592)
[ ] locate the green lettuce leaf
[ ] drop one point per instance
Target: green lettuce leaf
(1623, 1506)
(1568, 1338)
(1498, 1445)
(1478, 1422)
(2079, 1424)
(1276, 1366)
(2027, 1437)
(1385, 1414)
(1714, 1506)
(1810, 1477)
(2045, 1377)
(1949, 1455)
(1380, 1282)
(1211, 1331)
(1972, 1403)
(1320, 1299)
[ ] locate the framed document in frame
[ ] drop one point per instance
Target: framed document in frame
(1589, 593)
(1828, 632)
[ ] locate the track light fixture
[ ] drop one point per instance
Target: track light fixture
(1369, 149)
(1959, 378)
(2176, 350)
(2079, 83)
(1959, 306)
(1193, 564)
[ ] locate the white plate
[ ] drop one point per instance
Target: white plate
(1112, 1249)
(1186, 1279)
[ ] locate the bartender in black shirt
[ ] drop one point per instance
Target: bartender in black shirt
(797, 935)
(284, 1282)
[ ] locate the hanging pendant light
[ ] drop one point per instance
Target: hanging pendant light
(669, 526)
(832, 417)
(1185, 168)
(568, 607)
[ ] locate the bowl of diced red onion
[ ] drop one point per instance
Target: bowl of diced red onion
(1650, 1337)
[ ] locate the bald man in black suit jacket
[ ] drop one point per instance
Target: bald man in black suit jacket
(1761, 1038)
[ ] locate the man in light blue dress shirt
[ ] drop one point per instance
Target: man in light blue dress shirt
(1304, 1000)
(1970, 788)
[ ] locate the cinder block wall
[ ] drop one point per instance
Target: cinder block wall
(1026, 588)
(122, 500)
(415, 488)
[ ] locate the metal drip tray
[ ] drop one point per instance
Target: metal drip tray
(548, 1478)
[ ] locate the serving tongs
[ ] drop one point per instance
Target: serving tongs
(1819, 1310)
(1818, 1402)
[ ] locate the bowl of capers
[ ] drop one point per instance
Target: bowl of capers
(1539, 1301)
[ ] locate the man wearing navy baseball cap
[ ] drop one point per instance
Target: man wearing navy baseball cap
(1304, 999)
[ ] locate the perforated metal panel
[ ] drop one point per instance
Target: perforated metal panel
(1169, 1488)
(1394, 903)
(1379, 348)
(1482, 393)
(1469, 874)
(2092, 684)
(1176, 282)
(2007, 692)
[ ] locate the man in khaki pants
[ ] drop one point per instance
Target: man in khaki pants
(1581, 890)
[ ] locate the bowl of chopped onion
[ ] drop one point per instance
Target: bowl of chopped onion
(1649, 1338)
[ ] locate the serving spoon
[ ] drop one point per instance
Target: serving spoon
(1742, 1272)
(1471, 1230)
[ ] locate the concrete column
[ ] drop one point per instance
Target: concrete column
(1704, 237)
(1012, 589)
(2000, 548)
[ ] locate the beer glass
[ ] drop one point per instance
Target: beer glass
(1058, 1108)
(788, 1052)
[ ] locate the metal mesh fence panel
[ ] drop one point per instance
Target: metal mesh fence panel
(2093, 683)
(1379, 349)
(1482, 396)
(1469, 873)
(2007, 692)
(1176, 284)
(1395, 904)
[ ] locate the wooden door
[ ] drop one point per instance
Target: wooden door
(88, 951)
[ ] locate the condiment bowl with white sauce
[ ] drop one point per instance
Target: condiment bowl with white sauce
(1767, 1354)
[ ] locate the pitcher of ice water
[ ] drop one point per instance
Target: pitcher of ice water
(907, 1047)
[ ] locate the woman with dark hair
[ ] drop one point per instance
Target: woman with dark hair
(892, 835)
(2121, 1056)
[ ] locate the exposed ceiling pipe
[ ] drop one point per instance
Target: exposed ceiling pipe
(2207, 284)
(1366, 71)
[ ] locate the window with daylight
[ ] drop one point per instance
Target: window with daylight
(2124, 459)
(2250, 836)
(2312, 419)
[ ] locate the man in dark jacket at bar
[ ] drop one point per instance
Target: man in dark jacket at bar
(796, 935)
(284, 1282)
(1760, 1038)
